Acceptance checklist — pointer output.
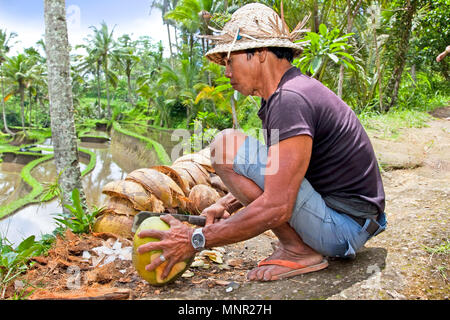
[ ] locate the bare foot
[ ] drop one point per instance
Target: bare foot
(271, 272)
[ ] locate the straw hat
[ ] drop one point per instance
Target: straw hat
(254, 26)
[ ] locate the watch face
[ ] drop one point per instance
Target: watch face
(198, 240)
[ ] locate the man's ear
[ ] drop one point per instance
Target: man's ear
(262, 54)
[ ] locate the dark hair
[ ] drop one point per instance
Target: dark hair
(281, 53)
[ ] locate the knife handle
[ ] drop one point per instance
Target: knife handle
(197, 220)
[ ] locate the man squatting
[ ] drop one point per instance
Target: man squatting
(315, 183)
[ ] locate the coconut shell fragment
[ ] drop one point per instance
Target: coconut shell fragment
(185, 176)
(201, 197)
(117, 205)
(117, 224)
(132, 191)
(197, 172)
(198, 158)
(175, 176)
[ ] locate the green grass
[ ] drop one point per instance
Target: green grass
(92, 161)
(36, 187)
(442, 249)
(144, 124)
(390, 124)
(151, 144)
(40, 134)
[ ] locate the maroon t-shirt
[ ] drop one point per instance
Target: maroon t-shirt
(343, 166)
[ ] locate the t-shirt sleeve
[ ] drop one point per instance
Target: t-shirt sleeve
(289, 115)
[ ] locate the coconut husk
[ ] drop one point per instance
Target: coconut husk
(153, 181)
(175, 176)
(187, 178)
(132, 191)
(197, 172)
(116, 224)
(122, 206)
(161, 185)
(201, 197)
(198, 158)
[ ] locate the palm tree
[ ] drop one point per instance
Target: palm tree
(155, 95)
(5, 38)
(193, 17)
(35, 77)
(180, 82)
(91, 64)
(166, 6)
(20, 71)
(102, 46)
(64, 137)
(126, 59)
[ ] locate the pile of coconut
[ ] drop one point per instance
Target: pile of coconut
(188, 186)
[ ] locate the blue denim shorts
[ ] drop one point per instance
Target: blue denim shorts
(327, 231)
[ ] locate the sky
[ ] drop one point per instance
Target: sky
(26, 18)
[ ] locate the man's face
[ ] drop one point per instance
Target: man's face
(242, 72)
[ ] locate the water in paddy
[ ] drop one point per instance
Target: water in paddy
(37, 219)
(11, 185)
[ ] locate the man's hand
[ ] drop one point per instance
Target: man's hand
(214, 213)
(175, 244)
(441, 56)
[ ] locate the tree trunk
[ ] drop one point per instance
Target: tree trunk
(30, 107)
(3, 106)
(176, 38)
(401, 41)
(191, 48)
(413, 74)
(99, 99)
(107, 92)
(350, 18)
(64, 137)
(170, 44)
(131, 96)
(380, 77)
(315, 17)
(37, 111)
(22, 107)
(187, 117)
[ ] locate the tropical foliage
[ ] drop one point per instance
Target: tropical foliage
(377, 55)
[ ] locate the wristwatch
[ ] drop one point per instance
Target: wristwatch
(198, 240)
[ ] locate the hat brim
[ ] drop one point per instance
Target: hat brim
(217, 54)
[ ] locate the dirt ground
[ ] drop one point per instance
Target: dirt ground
(393, 265)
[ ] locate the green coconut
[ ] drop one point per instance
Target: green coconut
(141, 260)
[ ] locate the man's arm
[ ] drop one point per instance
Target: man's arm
(274, 207)
(442, 55)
